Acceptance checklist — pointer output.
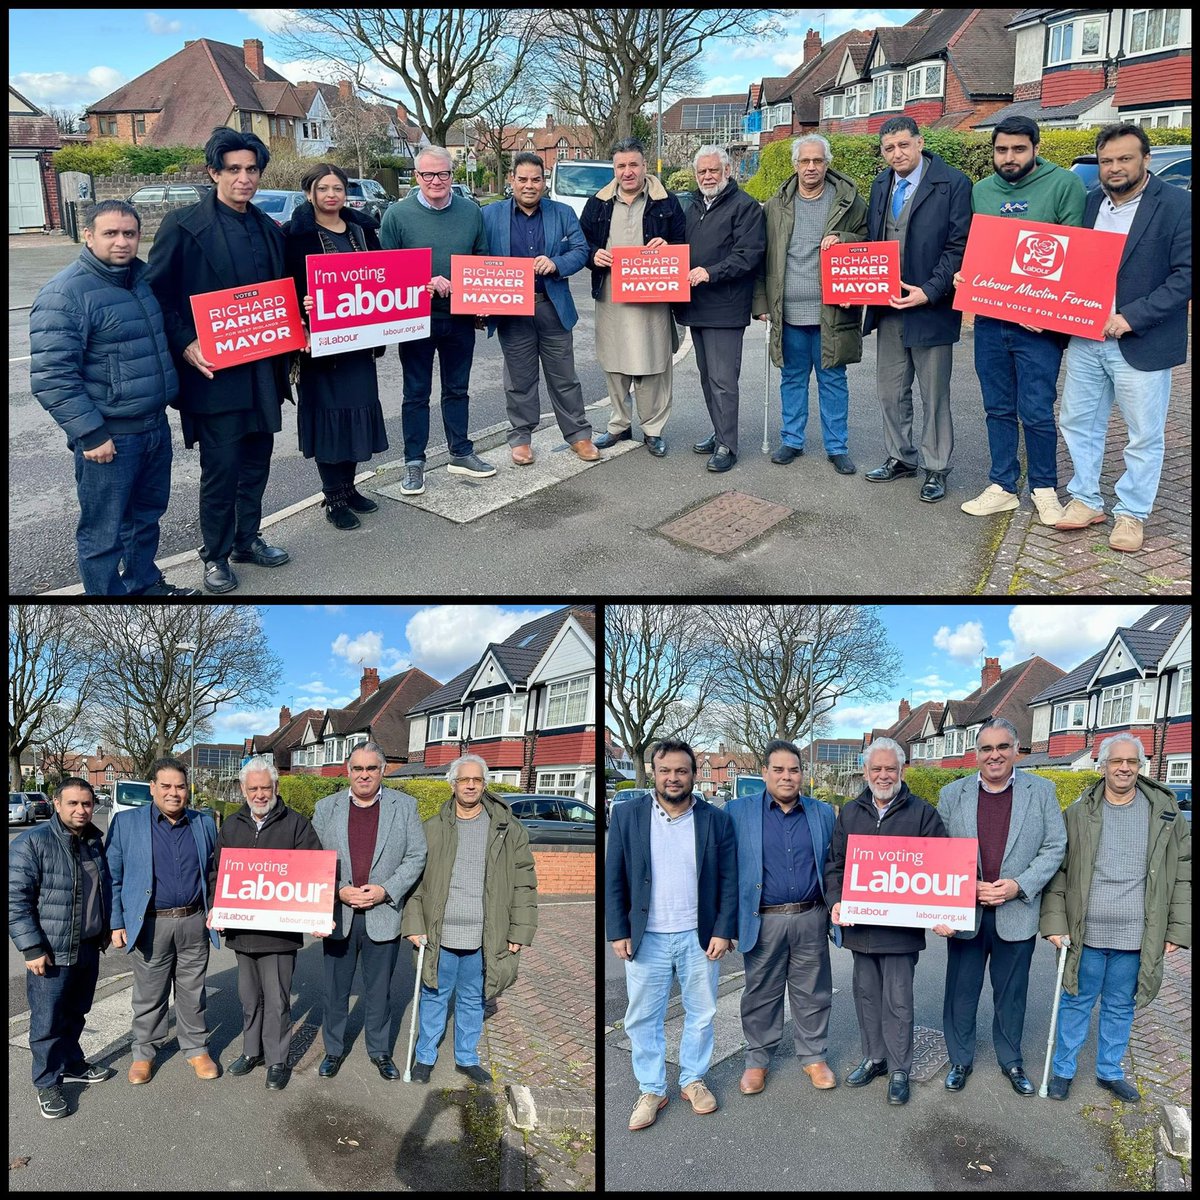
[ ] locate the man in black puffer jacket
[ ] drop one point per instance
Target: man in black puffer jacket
(101, 367)
(885, 956)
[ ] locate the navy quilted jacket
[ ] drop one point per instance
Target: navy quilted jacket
(99, 351)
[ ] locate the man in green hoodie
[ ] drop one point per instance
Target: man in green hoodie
(1018, 364)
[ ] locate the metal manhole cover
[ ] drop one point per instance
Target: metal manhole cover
(929, 1053)
(725, 523)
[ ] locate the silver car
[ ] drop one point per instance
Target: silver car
(278, 205)
(20, 810)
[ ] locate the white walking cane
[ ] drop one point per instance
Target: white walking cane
(412, 1025)
(766, 449)
(1062, 962)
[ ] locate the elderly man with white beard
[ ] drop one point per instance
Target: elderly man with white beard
(265, 958)
(885, 956)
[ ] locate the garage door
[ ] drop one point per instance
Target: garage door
(25, 209)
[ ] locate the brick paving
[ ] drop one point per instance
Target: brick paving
(1160, 1046)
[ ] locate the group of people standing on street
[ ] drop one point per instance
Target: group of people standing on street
(684, 880)
(462, 885)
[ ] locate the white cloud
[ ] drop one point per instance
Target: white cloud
(725, 85)
(447, 638)
(272, 20)
(232, 725)
(49, 89)
(326, 608)
(1067, 634)
(365, 650)
(157, 24)
(965, 643)
(852, 720)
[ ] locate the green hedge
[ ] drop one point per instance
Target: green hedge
(302, 792)
(684, 178)
(114, 158)
(927, 782)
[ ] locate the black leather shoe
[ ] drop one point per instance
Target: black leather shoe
(656, 445)
(420, 1072)
(1122, 1089)
(259, 552)
(331, 1064)
(707, 446)
(243, 1065)
(898, 1088)
(475, 1073)
(934, 487)
(956, 1080)
(1019, 1080)
(1058, 1088)
(605, 440)
(785, 454)
(387, 1068)
(843, 463)
(892, 469)
(218, 577)
(865, 1072)
(358, 502)
(277, 1077)
(723, 458)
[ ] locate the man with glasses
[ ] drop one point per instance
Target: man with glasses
(222, 242)
(380, 846)
(1017, 820)
(431, 216)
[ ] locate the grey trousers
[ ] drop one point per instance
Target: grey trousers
(895, 367)
(793, 951)
(883, 1000)
(170, 949)
(653, 393)
(265, 990)
(524, 341)
(719, 360)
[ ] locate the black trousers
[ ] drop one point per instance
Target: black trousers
(883, 1002)
(233, 476)
(264, 988)
(378, 960)
(335, 475)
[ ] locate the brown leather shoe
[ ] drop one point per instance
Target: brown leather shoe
(586, 450)
(753, 1080)
(139, 1071)
(522, 455)
(821, 1075)
(204, 1066)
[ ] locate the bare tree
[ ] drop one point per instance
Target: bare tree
(68, 120)
(502, 109)
(359, 132)
(64, 746)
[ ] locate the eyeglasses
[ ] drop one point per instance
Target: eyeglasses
(989, 749)
(374, 768)
(428, 175)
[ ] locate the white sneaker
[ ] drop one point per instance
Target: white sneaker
(1050, 511)
(992, 499)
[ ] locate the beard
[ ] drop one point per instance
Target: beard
(884, 794)
(1011, 175)
(1130, 185)
(261, 810)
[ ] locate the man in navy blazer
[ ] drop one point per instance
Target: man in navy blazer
(671, 910)
(159, 856)
(783, 918)
(531, 226)
(1145, 336)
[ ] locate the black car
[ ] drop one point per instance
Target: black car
(554, 819)
(369, 196)
(40, 805)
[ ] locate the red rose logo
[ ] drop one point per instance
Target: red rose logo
(1040, 255)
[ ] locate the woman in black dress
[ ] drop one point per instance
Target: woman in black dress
(339, 418)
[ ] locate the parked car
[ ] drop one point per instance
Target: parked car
(1183, 797)
(1172, 164)
(748, 785)
(369, 196)
(20, 810)
(42, 808)
(129, 794)
(170, 193)
(621, 796)
(461, 189)
(279, 206)
(553, 819)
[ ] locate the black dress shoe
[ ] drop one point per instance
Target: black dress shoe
(277, 1077)
(259, 552)
(956, 1080)
(707, 446)
(1120, 1088)
(656, 445)
(243, 1065)
(785, 454)
(1019, 1080)
(865, 1072)
(331, 1064)
(420, 1072)
(892, 469)
(387, 1068)
(723, 458)
(475, 1073)
(898, 1088)
(843, 463)
(605, 440)
(934, 487)
(218, 577)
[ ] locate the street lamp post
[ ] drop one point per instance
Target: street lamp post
(191, 648)
(812, 750)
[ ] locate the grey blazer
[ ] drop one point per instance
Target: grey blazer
(397, 865)
(1037, 841)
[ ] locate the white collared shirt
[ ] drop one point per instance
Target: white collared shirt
(373, 800)
(1007, 783)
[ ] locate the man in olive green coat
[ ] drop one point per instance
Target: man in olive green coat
(814, 209)
(1123, 894)
(476, 906)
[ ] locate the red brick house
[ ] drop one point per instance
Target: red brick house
(912, 723)
(718, 769)
(100, 770)
(278, 745)
(550, 142)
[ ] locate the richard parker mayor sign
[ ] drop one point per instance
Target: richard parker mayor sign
(291, 890)
(918, 882)
(643, 275)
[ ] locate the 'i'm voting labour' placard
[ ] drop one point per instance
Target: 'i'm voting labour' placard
(918, 882)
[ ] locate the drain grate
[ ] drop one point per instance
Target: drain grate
(725, 523)
(929, 1053)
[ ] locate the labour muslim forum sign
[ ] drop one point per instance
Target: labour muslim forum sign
(917, 882)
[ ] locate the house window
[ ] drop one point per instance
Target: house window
(443, 727)
(833, 106)
(1116, 703)
(108, 125)
(1161, 118)
(516, 714)
(1154, 29)
(567, 702)
(1145, 704)
(489, 717)
(971, 736)
(706, 773)
(888, 93)
(139, 124)
(1184, 703)
(925, 81)
(1068, 716)
(109, 774)
(1179, 770)
(512, 777)
(556, 783)
(1075, 40)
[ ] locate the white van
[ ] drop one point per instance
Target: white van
(128, 794)
(574, 181)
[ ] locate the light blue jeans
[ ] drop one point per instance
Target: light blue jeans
(1111, 976)
(1097, 373)
(802, 356)
(459, 974)
(648, 975)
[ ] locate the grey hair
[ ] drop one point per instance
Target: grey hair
(435, 152)
(804, 140)
(708, 152)
(374, 747)
(458, 764)
(1105, 749)
(258, 763)
(1001, 723)
(884, 743)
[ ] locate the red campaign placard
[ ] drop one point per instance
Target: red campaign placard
(256, 320)
(863, 273)
(917, 882)
(289, 890)
(640, 275)
(372, 298)
(482, 286)
(1051, 276)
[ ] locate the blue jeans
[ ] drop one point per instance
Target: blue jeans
(801, 356)
(120, 504)
(459, 974)
(1097, 374)
(454, 340)
(58, 1003)
(1112, 976)
(1018, 374)
(660, 956)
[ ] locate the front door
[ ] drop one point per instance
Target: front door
(25, 208)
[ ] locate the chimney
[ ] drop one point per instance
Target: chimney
(189, 42)
(991, 672)
(370, 682)
(904, 709)
(252, 50)
(344, 92)
(720, 747)
(285, 715)
(99, 751)
(549, 120)
(812, 45)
